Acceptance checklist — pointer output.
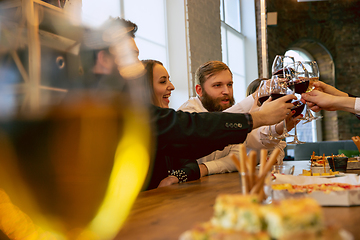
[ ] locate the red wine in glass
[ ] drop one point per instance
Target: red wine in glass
(298, 107)
(263, 99)
(279, 73)
(300, 86)
(275, 96)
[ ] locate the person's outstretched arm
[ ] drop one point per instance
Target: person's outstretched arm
(202, 129)
(326, 88)
(318, 100)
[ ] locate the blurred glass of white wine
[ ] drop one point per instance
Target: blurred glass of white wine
(71, 161)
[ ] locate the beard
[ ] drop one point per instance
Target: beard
(213, 105)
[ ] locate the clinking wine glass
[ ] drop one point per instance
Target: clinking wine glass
(279, 63)
(279, 88)
(309, 70)
(72, 160)
(263, 95)
(299, 86)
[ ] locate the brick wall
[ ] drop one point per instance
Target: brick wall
(204, 32)
(330, 31)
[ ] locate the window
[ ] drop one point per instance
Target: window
(151, 19)
(148, 15)
(238, 41)
(161, 34)
(94, 12)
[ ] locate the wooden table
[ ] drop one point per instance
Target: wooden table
(167, 212)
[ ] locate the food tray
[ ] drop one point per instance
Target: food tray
(334, 198)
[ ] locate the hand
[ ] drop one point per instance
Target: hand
(290, 123)
(318, 100)
(203, 170)
(272, 112)
(168, 181)
(323, 87)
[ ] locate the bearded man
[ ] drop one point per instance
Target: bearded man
(214, 88)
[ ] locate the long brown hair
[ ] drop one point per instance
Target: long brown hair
(149, 65)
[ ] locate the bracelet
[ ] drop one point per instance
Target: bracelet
(180, 174)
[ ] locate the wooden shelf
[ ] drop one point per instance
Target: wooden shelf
(31, 25)
(12, 30)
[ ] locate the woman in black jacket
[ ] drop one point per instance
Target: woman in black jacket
(170, 165)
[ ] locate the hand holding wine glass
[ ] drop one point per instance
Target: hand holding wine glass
(266, 90)
(326, 88)
(263, 95)
(299, 84)
(279, 88)
(273, 111)
(308, 71)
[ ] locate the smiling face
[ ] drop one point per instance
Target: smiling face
(217, 91)
(162, 85)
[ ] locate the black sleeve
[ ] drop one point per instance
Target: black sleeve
(201, 129)
(192, 170)
(189, 168)
(193, 151)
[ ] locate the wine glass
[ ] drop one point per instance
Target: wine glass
(299, 85)
(72, 160)
(263, 95)
(309, 70)
(279, 88)
(279, 63)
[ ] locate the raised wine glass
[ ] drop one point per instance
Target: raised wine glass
(263, 95)
(309, 70)
(299, 86)
(72, 160)
(279, 88)
(279, 63)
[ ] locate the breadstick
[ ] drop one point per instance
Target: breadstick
(251, 170)
(243, 160)
(263, 156)
(259, 184)
(236, 162)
